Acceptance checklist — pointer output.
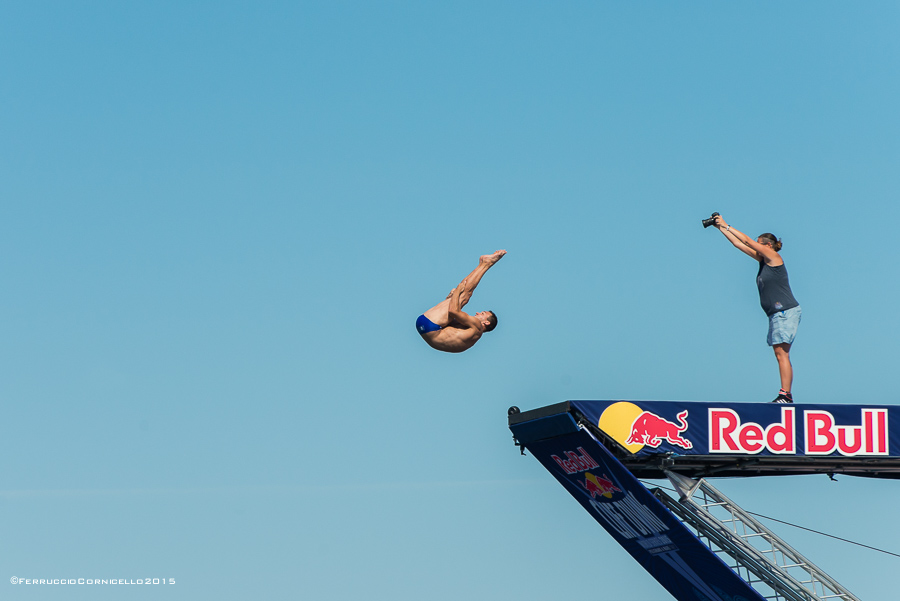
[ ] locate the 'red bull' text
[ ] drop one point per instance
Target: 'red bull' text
(575, 463)
(822, 435)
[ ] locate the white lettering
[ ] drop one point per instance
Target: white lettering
(728, 435)
(629, 517)
(823, 436)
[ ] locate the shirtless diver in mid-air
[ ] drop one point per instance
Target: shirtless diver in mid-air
(446, 327)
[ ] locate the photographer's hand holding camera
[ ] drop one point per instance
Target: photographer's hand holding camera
(761, 249)
(775, 296)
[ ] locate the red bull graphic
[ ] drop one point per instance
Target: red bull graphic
(728, 435)
(630, 513)
(599, 486)
(824, 436)
(575, 462)
(750, 429)
(650, 429)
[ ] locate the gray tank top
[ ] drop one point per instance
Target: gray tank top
(774, 289)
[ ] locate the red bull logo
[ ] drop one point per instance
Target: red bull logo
(751, 431)
(650, 429)
(574, 462)
(824, 436)
(599, 486)
(727, 434)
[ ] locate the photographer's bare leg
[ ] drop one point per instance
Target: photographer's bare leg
(782, 354)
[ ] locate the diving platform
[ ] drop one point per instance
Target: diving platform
(702, 546)
(734, 439)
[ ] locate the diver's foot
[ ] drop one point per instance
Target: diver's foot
(492, 258)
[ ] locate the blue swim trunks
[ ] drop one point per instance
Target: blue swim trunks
(783, 326)
(425, 325)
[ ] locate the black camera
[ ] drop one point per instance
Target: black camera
(710, 221)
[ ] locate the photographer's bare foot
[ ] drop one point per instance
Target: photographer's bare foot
(492, 258)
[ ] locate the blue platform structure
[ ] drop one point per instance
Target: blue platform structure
(702, 546)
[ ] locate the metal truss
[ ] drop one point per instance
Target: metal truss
(768, 564)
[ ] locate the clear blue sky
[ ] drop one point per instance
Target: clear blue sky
(220, 220)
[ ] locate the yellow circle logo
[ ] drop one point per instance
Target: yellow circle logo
(616, 421)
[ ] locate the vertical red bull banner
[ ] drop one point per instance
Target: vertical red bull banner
(639, 522)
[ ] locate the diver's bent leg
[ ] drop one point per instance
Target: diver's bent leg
(440, 313)
(485, 262)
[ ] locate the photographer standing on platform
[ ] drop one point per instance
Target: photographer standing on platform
(775, 296)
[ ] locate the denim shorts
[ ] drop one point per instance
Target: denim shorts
(783, 326)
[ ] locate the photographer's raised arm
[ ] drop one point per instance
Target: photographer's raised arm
(745, 243)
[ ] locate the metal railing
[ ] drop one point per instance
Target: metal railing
(773, 568)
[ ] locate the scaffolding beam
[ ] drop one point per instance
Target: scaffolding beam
(762, 559)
